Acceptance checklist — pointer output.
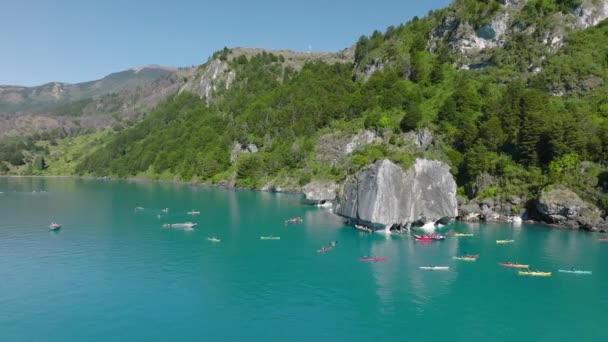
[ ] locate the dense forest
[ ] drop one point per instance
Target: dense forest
(523, 117)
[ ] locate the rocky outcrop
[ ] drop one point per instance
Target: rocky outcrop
(375, 65)
(384, 195)
(566, 208)
(320, 191)
(333, 146)
(213, 76)
(591, 13)
(470, 41)
(358, 141)
(239, 149)
(421, 139)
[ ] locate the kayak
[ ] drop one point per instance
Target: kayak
(534, 274)
(604, 240)
(506, 264)
(214, 239)
(367, 259)
(324, 249)
(463, 235)
(428, 238)
(434, 268)
(504, 241)
(464, 258)
(422, 239)
(270, 238)
(575, 271)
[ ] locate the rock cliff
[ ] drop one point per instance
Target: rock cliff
(564, 207)
(383, 195)
(320, 191)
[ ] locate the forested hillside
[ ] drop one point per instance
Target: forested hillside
(513, 96)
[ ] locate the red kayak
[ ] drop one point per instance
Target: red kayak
(324, 249)
(429, 238)
(604, 240)
(368, 259)
(423, 238)
(473, 256)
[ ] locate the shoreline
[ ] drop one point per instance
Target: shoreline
(273, 190)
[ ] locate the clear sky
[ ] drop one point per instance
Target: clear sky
(81, 40)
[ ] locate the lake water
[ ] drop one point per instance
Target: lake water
(113, 274)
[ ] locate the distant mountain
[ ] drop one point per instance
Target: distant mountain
(45, 98)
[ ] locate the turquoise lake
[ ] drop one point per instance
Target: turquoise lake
(113, 274)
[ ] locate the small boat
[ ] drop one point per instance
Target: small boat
(333, 243)
(465, 258)
(270, 237)
(534, 273)
(193, 212)
(431, 237)
(372, 259)
(183, 225)
(324, 249)
(463, 235)
(213, 239)
(165, 210)
(576, 271)
(363, 228)
(54, 226)
(513, 265)
(139, 208)
(294, 220)
(502, 242)
(423, 238)
(435, 268)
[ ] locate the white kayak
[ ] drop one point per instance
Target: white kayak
(575, 271)
(183, 225)
(270, 238)
(434, 268)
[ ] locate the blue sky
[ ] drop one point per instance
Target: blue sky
(76, 41)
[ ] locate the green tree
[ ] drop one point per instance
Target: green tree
(412, 118)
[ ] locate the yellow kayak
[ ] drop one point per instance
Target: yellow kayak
(535, 274)
(504, 241)
(463, 235)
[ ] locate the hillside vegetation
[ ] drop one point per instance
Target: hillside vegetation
(511, 118)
